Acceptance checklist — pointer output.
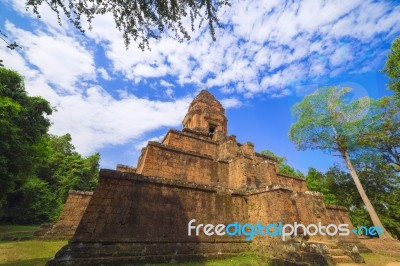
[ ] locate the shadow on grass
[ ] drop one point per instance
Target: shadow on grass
(245, 259)
(17, 232)
(31, 262)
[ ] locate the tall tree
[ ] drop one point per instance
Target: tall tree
(328, 121)
(392, 66)
(140, 20)
(23, 125)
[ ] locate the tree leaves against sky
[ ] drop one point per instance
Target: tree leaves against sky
(140, 20)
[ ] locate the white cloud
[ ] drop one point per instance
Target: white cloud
(47, 16)
(142, 144)
(166, 84)
(60, 59)
(97, 119)
(103, 73)
(268, 39)
(55, 67)
(230, 103)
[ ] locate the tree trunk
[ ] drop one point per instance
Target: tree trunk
(372, 213)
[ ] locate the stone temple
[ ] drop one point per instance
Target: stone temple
(141, 215)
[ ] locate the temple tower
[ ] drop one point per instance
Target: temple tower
(207, 116)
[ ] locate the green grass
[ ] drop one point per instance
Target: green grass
(377, 259)
(31, 252)
(17, 231)
(246, 259)
(38, 252)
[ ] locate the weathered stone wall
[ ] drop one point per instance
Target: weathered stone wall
(129, 207)
(228, 149)
(244, 170)
(338, 214)
(71, 215)
(192, 157)
(237, 167)
(191, 143)
(295, 183)
(125, 168)
(133, 218)
(279, 204)
(137, 218)
(165, 161)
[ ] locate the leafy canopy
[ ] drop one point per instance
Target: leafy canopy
(139, 20)
(392, 66)
(382, 132)
(328, 120)
(23, 125)
(380, 182)
(40, 196)
(36, 169)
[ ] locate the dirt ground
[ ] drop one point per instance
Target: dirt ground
(384, 253)
(389, 247)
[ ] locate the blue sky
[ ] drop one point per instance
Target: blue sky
(272, 53)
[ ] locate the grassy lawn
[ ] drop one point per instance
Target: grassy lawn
(30, 252)
(38, 252)
(17, 231)
(247, 259)
(376, 259)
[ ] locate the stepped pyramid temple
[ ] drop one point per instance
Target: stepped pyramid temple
(201, 175)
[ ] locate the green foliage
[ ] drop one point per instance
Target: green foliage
(37, 169)
(317, 181)
(32, 203)
(327, 120)
(284, 168)
(140, 20)
(41, 197)
(330, 121)
(381, 183)
(65, 169)
(23, 124)
(382, 130)
(342, 186)
(392, 66)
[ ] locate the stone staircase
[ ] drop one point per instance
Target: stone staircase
(335, 253)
